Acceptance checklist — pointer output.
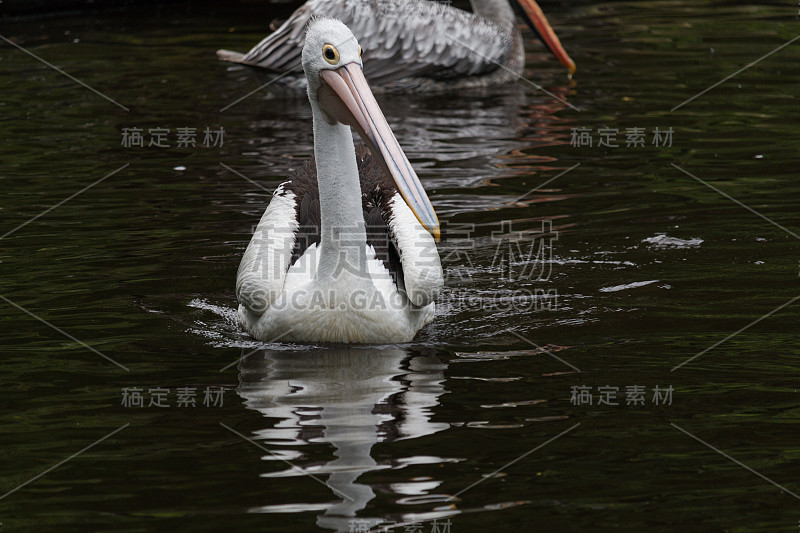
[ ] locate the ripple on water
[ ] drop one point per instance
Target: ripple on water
(661, 240)
(627, 286)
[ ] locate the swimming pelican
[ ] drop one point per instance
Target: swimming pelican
(345, 252)
(414, 44)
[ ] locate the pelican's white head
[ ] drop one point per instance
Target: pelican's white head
(329, 45)
(339, 92)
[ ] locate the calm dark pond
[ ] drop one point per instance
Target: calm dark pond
(648, 259)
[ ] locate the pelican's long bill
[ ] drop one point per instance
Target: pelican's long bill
(535, 18)
(346, 97)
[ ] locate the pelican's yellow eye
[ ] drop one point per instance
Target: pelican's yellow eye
(331, 54)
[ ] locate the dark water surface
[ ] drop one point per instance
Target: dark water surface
(650, 267)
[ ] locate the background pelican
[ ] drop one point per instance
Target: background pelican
(312, 271)
(414, 44)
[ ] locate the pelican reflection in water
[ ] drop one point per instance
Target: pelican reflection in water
(351, 398)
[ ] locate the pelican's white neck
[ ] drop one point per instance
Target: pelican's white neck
(343, 237)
